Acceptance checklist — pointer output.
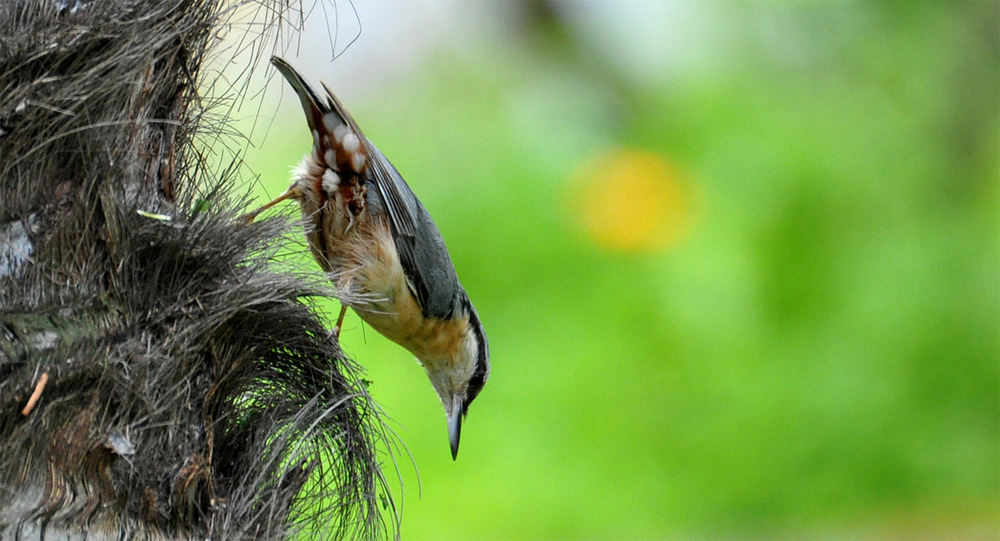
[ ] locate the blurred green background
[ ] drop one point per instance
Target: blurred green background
(739, 263)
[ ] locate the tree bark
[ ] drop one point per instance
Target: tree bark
(158, 378)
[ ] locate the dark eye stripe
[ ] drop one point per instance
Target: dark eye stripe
(482, 372)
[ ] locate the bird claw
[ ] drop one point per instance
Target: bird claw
(249, 217)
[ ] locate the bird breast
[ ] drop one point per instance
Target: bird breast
(390, 307)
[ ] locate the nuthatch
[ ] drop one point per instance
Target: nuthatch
(381, 249)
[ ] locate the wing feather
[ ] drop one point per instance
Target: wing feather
(426, 264)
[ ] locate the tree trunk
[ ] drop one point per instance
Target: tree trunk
(158, 378)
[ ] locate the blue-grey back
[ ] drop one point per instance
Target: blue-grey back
(422, 253)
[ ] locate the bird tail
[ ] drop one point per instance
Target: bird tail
(339, 143)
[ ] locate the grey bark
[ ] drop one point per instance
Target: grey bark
(191, 391)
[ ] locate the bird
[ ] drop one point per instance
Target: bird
(383, 252)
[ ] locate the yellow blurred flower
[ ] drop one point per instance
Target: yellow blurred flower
(630, 200)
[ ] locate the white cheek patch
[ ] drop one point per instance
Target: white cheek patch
(331, 181)
(471, 352)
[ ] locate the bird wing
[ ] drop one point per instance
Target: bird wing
(423, 255)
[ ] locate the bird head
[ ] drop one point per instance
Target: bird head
(459, 378)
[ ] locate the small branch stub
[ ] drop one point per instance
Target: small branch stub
(36, 394)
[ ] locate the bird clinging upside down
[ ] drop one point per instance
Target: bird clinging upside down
(378, 244)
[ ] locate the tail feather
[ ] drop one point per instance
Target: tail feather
(339, 142)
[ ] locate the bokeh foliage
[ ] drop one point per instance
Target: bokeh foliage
(808, 343)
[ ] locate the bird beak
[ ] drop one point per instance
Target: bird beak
(455, 424)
